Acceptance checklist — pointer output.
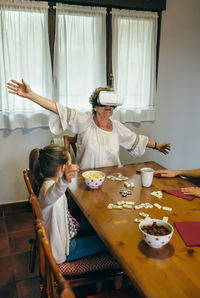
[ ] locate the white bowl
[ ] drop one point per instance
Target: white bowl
(156, 241)
(92, 180)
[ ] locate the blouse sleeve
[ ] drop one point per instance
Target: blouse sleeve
(135, 144)
(67, 119)
(52, 192)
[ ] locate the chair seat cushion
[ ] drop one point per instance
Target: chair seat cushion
(98, 262)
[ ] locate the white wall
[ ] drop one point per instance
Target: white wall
(178, 89)
(178, 106)
(15, 147)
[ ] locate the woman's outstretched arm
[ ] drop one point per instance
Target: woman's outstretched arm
(24, 90)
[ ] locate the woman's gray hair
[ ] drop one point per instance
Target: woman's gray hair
(95, 94)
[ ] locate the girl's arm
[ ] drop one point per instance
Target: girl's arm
(24, 90)
(162, 147)
(57, 189)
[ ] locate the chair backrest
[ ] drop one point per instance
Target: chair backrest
(28, 182)
(70, 141)
(52, 274)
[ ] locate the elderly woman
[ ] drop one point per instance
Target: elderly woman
(99, 137)
(194, 174)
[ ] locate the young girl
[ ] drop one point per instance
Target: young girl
(51, 171)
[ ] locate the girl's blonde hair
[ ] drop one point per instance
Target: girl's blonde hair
(44, 163)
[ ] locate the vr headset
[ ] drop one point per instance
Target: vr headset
(109, 98)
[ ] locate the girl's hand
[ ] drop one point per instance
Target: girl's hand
(70, 171)
(22, 90)
(163, 147)
(167, 173)
(195, 191)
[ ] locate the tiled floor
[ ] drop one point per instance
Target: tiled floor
(16, 228)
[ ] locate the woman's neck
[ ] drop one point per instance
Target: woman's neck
(103, 123)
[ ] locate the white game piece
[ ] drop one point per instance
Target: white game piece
(165, 218)
(127, 206)
(130, 202)
(138, 220)
(143, 214)
(167, 208)
(157, 205)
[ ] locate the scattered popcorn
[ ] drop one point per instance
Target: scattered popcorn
(157, 194)
(157, 205)
(167, 208)
(165, 218)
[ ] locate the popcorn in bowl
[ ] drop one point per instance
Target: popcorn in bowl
(156, 233)
(94, 179)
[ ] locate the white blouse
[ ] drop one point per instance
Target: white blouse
(54, 207)
(96, 147)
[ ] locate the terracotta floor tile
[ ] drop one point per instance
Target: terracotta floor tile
(4, 245)
(8, 291)
(18, 222)
(20, 263)
(19, 241)
(29, 288)
(2, 226)
(6, 273)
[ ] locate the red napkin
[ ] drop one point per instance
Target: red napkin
(155, 175)
(189, 231)
(180, 194)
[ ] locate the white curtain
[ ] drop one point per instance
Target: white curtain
(79, 54)
(24, 53)
(134, 63)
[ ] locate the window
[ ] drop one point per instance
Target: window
(134, 63)
(80, 53)
(89, 44)
(24, 53)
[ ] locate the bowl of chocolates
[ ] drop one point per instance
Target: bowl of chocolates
(156, 233)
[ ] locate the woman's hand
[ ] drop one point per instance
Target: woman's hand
(19, 89)
(163, 147)
(195, 191)
(167, 173)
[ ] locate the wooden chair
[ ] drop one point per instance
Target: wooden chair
(89, 270)
(55, 284)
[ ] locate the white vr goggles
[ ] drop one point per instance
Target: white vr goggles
(109, 98)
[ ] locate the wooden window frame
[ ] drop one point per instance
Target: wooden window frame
(145, 5)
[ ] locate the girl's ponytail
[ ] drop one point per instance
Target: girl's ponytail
(36, 176)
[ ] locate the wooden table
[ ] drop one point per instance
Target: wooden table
(170, 271)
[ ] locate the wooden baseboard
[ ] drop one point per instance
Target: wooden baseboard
(14, 208)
